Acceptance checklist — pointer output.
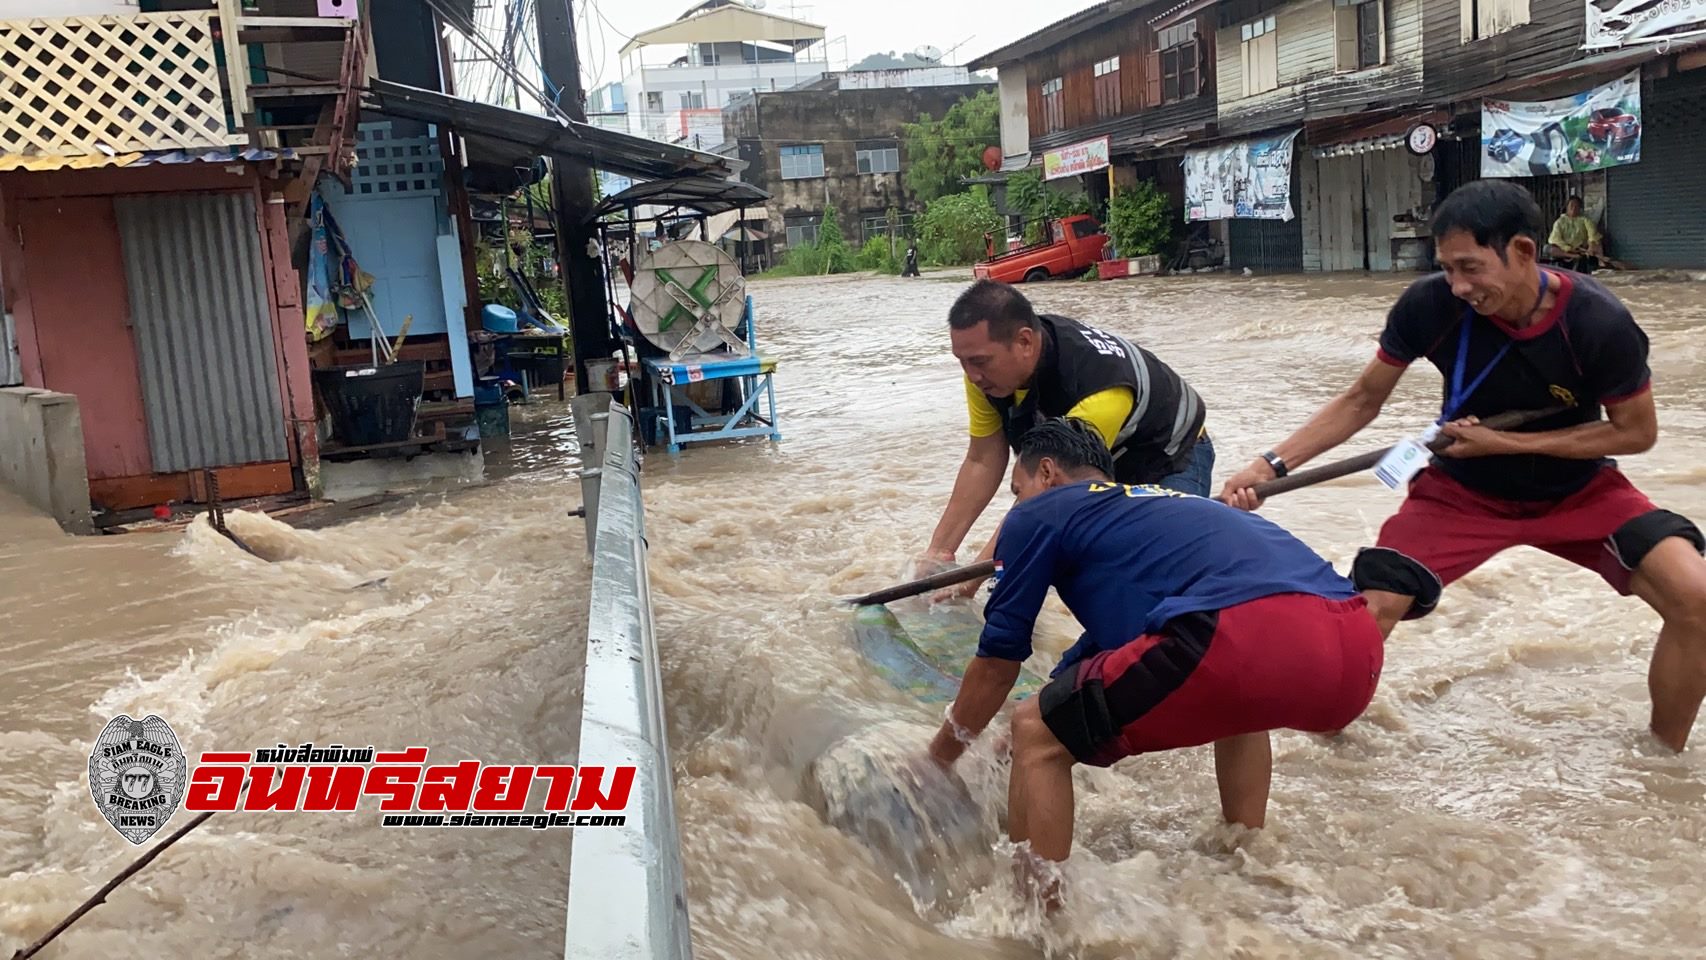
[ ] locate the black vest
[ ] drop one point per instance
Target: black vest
(1078, 360)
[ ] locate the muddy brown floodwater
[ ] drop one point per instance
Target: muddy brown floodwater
(1499, 799)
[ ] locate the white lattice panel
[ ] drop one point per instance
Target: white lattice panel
(389, 166)
(87, 85)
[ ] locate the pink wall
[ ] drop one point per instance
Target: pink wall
(64, 282)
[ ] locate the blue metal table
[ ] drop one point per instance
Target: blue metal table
(669, 379)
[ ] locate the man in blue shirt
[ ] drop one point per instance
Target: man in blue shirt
(1201, 625)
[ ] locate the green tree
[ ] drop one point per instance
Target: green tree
(832, 244)
(940, 153)
(953, 227)
(1037, 203)
(1140, 220)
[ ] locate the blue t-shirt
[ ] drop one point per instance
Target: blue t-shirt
(1125, 560)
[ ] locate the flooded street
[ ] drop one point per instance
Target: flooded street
(1500, 798)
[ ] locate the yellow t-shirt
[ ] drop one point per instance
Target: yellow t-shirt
(1106, 410)
(1573, 233)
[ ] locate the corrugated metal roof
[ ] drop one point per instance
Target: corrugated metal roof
(536, 135)
(204, 332)
(1060, 30)
(41, 163)
(703, 194)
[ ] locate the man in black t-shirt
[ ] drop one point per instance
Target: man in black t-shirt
(1508, 335)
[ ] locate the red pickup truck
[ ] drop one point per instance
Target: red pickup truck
(1074, 244)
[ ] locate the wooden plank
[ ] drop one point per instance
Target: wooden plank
(236, 74)
(276, 91)
(235, 483)
(433, 349)
(246, 22)
(290, 34)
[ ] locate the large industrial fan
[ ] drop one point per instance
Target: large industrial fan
(689, 298)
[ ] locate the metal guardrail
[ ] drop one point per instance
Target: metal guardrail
(627, 890)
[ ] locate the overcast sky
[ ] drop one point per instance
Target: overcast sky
(854, 28)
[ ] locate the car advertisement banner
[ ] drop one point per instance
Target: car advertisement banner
(1250, 179)
(1589, 131)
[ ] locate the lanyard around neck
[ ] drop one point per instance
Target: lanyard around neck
(1460, 394)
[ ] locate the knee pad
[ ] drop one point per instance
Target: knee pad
(1382, 568)
(1637, 538)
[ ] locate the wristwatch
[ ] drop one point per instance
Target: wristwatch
(1274, 461)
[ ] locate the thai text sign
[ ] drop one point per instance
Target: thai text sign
(1617, 23)
(1250, 179)
(1589, 131)
(1070, 161)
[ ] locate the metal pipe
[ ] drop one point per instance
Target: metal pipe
(627, 890)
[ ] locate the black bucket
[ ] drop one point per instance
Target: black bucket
(372, 404)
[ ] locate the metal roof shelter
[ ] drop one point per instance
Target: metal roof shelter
(700, 194)
(512, 137)
(730, 24)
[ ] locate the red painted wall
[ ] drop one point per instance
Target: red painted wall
(284, 292)
(80, 312)
(61, 263)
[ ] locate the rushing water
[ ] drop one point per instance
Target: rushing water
(1499, 799)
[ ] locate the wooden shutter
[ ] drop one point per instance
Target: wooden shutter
(1204, 64)
(1344, 37)
(1152, 76)
(1385, 54)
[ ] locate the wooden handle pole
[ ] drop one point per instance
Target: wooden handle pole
(1357, 464)
(946, 578)
(1294, 481)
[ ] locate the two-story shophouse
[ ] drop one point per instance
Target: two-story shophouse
(1109, 95)
(1653, 209)
(1338, 124)
(1397, 102)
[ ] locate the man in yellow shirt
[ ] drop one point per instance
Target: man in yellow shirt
(1575, 241)
(1022, 368)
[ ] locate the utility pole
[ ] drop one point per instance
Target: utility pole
(571, 191)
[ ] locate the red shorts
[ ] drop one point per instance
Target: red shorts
(1291, 660)
(1451, 529)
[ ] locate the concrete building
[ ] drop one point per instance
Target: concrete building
(838, 146)
(607, 108)
(677, 78)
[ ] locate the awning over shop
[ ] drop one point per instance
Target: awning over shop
(1358, 134)
(701, 195)
(734, 23)
(506, 137)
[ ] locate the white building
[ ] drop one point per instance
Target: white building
(677, 78)
(606, 108)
